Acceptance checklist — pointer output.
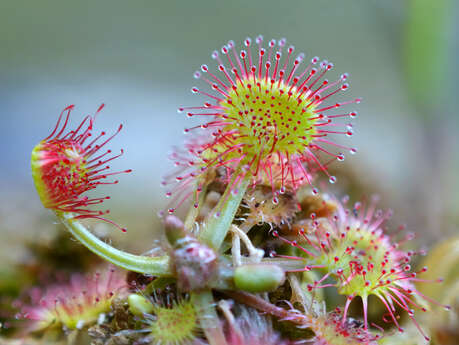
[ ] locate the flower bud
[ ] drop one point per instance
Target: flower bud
(195, 263)
(139, 305)
(258, 277)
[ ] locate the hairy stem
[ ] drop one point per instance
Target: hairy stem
(264, 306)
(157, 266)
(219, 221)
(258, 303)
(298, 295)
(208, 318)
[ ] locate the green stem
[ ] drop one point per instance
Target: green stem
(219, 221)
(157, 266)
(286, 264)
(208, 318)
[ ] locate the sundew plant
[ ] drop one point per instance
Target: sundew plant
(265, 253)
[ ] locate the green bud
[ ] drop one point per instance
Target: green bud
(139, 305)
(195, 263)
(258, 277)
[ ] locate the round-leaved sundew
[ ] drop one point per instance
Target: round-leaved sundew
(67, 164)
(269, 119)
(82, 302)
(357, 256)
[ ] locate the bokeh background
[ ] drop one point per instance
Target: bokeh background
(138, 58)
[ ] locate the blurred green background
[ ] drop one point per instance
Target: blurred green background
(138, 57)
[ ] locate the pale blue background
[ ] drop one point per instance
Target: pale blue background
(138, 57)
